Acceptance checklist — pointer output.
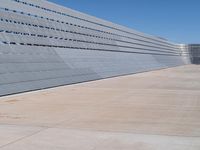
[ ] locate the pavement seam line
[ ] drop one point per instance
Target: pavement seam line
(22, 138)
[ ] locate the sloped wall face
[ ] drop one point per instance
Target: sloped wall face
(43, 45)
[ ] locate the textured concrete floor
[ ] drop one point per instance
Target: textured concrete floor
(148, 111)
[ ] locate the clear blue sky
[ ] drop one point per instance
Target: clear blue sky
(176, 20)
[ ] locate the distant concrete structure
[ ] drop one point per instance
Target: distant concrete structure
(194, 50)
(45, 45)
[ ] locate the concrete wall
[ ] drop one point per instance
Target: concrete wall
(194, 50)
(45, 45)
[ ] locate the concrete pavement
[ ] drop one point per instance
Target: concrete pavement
(147, 111)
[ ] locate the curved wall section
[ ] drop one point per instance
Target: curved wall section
(44, 45)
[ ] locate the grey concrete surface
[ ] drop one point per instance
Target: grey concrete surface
(148, 111)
